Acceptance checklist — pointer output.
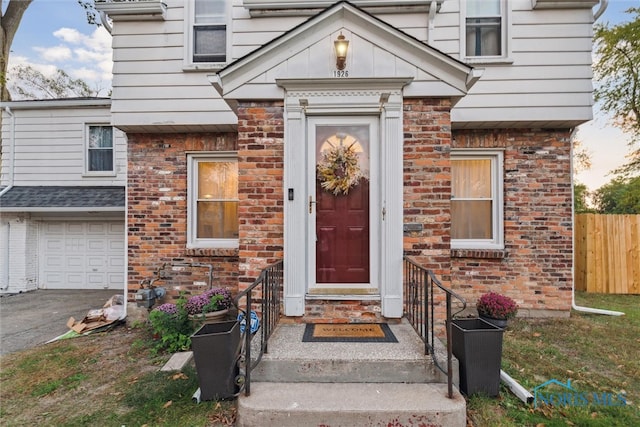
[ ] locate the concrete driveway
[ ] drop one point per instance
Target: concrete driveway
(33, 318)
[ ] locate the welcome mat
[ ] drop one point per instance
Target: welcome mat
(348, 332)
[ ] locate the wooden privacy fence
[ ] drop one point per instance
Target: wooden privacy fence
(607, 253)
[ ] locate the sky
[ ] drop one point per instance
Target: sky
(55, 34)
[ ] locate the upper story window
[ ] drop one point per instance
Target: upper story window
(476, 200)
(485, 30)
(100, 153)
(207, 39)
(213, 201)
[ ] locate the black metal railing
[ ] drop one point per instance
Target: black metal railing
(420, 300)
(263, 298)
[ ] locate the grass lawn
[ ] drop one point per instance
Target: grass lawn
(113, 378)
(597, 353)
(104, 379)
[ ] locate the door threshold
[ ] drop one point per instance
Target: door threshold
(344, 293)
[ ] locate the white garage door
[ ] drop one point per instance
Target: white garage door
(82, 255)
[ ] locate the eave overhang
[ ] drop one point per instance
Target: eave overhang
(147, 10)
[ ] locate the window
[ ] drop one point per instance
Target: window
(209, 32)
(485, 29)
(476, 200)
(213, 201)
(100, 155)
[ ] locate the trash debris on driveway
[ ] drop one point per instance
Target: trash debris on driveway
(112, 311)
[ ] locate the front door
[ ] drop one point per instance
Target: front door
(343, 204)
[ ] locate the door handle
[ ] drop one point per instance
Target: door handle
(311, 203)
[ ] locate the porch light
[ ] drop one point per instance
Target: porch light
(341, 44)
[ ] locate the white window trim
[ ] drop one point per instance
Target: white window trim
(188, 64)
(497, 187)
(86, 171)
(506, 37)
(192, 190)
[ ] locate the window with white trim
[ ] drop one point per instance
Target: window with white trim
(207, 32)
(485, 30)
(476, 200)
(213, 201)
(99, 150)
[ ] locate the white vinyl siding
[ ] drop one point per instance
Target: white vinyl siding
(213, 201)
(543, 77)
(476, 200)
(51, 146)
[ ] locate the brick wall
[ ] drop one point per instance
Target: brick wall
(535, 267)
(157, 212)
(261, 172)
(427, 183)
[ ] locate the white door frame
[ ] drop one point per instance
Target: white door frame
(375, 206)
(377, 97)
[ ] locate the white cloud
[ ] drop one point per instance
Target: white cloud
(54, 54)
(82, 56)
(69, 35)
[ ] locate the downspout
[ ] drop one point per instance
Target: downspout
(573, 244)
(12, 163)
(601, 9)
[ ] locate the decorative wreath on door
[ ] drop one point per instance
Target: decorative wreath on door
(338, 170)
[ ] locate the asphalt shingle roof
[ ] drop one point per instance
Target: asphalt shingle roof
(63, 197)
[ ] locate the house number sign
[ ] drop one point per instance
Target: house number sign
(340, 73)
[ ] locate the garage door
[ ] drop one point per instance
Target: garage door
(82, 255)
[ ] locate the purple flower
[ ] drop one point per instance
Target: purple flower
(212, 300)
(496, 306)
(167, 308)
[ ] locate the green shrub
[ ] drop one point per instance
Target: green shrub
(171, 327)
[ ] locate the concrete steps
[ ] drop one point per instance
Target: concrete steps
(349, 384)
(350, 404)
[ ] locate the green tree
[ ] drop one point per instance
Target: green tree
(29, 83)
(9, 21)
(580, 194)
(92, 15)
(617, 72)
(619, 196)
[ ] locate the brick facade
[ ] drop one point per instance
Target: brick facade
(534, 268)
(157, 212)
(261, 171)
(427, 183)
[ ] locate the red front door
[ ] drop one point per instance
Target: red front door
(342, 215)
(342, 228)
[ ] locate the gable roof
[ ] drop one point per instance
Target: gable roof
(377, 50)
(67, 199)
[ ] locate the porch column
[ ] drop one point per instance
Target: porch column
(295, 249)
(391, 122)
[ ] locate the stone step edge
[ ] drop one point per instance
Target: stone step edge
(294, 404)
(178, 361)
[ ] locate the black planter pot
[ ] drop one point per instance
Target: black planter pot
(478, 347)
(500, 323)
(216, 347)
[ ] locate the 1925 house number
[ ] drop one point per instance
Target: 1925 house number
(340, 73)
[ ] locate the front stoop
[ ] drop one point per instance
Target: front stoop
(350, 405)
(349, 384)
